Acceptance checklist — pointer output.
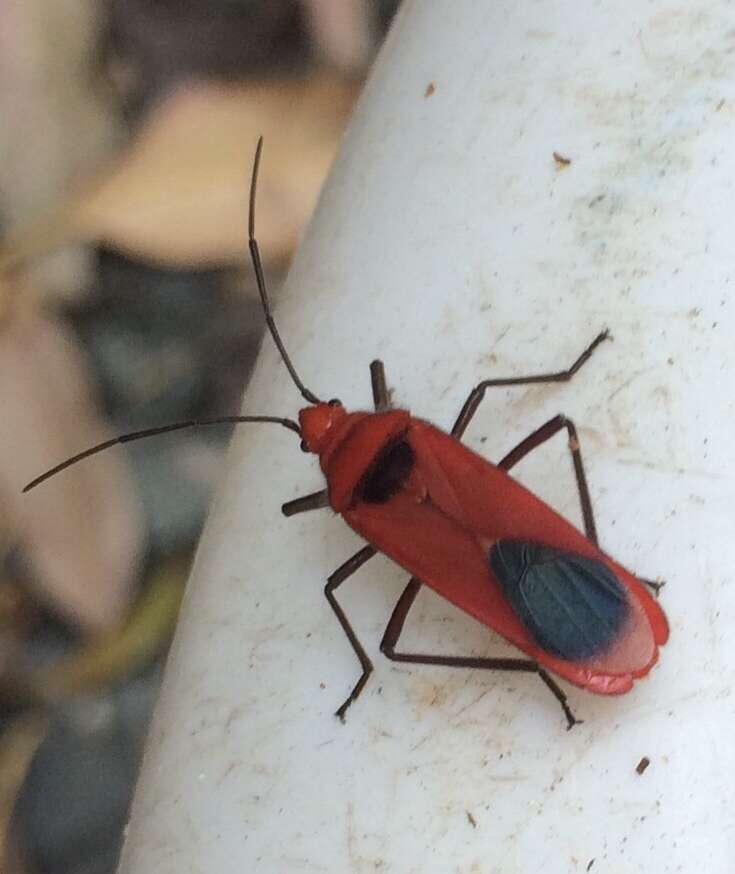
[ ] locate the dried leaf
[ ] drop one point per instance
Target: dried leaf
(178, 196)
(341, 30)
(50, 93)
(80, 533)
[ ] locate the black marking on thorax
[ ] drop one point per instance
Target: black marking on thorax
(386, 474)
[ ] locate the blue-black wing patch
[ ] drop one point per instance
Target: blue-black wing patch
(572, 606)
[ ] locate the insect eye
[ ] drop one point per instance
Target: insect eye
(335, 402)
(304, 446)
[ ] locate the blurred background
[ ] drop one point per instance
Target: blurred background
(127, 301)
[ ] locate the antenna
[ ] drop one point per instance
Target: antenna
(258, 267)
(152, 432)
(198, 423)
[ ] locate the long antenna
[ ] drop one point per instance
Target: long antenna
(197, 423)
(152, 432)
(258, 267)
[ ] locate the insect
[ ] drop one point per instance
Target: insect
(466, 529)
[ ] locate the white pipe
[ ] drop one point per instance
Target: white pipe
(450, 243)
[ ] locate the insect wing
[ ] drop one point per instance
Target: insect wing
(443, 527)
(574, 607)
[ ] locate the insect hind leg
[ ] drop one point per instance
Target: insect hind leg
(526, 446)
(393, 633)
(540, 436)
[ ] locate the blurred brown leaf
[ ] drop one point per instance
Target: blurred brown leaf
(80, 533)
(178, 196)
(57, 120)
(342, 31)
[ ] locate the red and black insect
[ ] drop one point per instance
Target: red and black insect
(463, 527)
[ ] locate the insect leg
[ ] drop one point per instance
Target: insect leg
(400, 613)
(401, 610)
(314, 501)
(478, 393)
(381, 398)
(395, 627)
(335, 580)
(541, 435)
(654, 585)
(561, 697)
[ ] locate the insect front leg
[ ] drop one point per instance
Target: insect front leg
(335, 580)
(395, 627)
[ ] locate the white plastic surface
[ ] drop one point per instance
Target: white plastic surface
(450, 243)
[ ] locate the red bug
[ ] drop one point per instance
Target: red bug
(466, 529)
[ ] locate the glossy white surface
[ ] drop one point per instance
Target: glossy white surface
(449, 243)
